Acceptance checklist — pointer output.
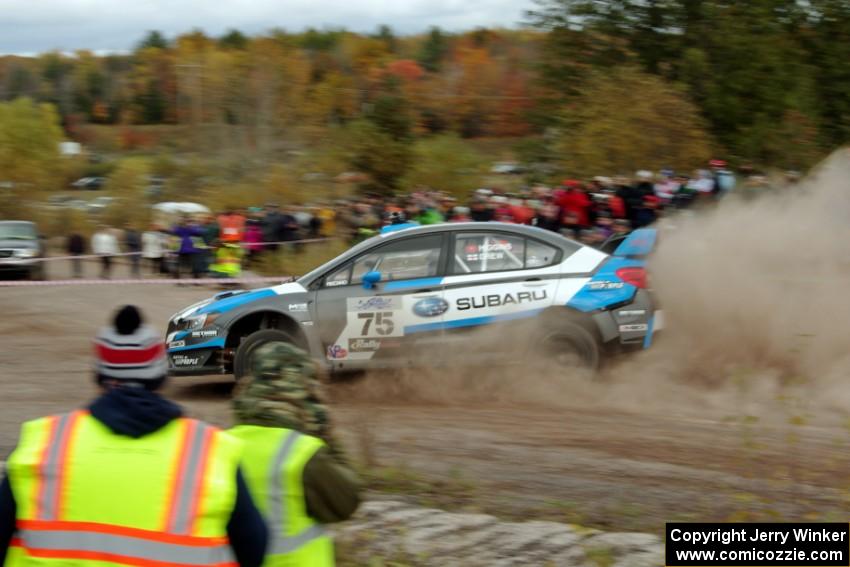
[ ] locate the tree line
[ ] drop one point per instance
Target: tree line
(770, 77)
(477, 83)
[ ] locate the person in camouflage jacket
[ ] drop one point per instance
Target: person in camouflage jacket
(284, 390)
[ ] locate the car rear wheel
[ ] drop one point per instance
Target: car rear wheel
(569, 346)
(242, 361)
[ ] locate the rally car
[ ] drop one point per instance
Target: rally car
(438, 294)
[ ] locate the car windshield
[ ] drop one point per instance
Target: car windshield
(17, 231)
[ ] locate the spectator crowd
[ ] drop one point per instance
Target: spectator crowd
(204, 245)
(220, 245)
(589, 211)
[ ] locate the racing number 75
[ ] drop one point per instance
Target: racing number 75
(383, 323)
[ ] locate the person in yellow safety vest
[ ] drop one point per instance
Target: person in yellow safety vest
(129, 480)
(294, 468)
(228, 261)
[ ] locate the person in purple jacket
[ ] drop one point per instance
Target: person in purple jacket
(189, 251)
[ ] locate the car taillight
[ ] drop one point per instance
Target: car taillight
(633, 276)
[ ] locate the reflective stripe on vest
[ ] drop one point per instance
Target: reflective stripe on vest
(278, 519)
(188, 482)
(98, 542)
(52, 466)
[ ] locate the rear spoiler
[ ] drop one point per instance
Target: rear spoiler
(638, 244)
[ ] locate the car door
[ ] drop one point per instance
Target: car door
(387, 324)
(497, 277)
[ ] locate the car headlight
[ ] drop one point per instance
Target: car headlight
(196, 322)
(26, 253)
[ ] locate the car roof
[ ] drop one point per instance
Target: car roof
(520, 229)
(17, 222)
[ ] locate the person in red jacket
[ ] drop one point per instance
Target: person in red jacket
(521, 212)
(617, 207)
(573, 199)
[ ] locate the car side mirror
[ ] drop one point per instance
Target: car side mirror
(371, 279)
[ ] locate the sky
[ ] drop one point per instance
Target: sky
(35, 26)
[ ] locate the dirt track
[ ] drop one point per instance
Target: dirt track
(593, 464)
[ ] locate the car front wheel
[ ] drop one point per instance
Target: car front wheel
(242, 361)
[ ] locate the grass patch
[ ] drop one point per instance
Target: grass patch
(452, 492)
(599, 556)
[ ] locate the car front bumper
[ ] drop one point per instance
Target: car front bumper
(196, 362)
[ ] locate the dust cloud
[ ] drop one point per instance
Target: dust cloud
(756, 298)
(756, 295)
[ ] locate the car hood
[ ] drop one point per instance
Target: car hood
(229, 300)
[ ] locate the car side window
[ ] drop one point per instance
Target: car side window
(539, 255)
(405, 259)
(340, 276)
(479, 252)
(613, 242)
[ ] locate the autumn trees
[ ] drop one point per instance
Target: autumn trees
(763, 81)
(765, 74)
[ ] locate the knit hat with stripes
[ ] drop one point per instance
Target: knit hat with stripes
(130, 351)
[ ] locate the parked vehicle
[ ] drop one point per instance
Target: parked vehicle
(21, 249)
(89, 183)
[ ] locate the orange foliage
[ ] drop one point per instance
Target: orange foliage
(406, 69)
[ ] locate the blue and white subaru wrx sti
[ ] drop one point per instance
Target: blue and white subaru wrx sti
(439, 294)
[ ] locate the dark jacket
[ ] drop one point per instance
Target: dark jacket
(136, 413)
(133, 241)
(287, 228)
(643, 217)
(270, 225)
(547, 223)
(76, 244)
(481, 215)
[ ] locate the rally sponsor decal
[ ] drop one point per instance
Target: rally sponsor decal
(336, 352)
(431, 307)
(363, 345)
(633, 328)
(298, 307)
(204, 334)
(374, 303)
(603, 285)
(501, 299)
(631, 312)
(490, 251)
(176, 344)
(185, 360)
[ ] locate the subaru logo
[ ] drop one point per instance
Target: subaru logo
(430, 307)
